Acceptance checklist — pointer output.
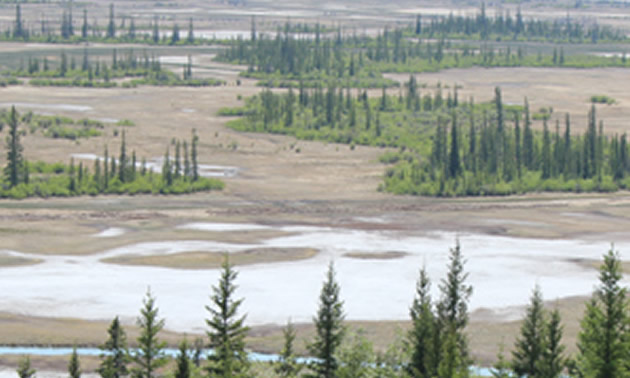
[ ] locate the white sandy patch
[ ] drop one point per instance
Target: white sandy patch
(31, 105)
(174, 59)
(110, 232)
(223, 227)
(155, 165)
(502, 270)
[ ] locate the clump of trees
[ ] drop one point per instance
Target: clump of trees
(122, 175)
(446, 146)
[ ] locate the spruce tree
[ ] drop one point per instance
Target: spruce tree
(287, 365)
(24, 369)
(74, 368)
(329, 328)
(111, 26)
(227, 329)
(115, 355)
(193, 156)
(422, 334)
(183, 361)
(191, 35)
(15, 160)
(122, 160)
(603, 346)
(454, 163)
(530, 344)
(84, 28)
(452, 309)
(150, 355)
(552, 361)
(501, 368)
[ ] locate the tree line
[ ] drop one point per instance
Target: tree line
(359, 60)
(435, 345)
(122, 175)
(90, 72)
(504, 25)
(117, 29)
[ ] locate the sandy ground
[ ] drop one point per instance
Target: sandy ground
(567, 90)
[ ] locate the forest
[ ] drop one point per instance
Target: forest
(446, 147)
(122, 175)
(436, 344)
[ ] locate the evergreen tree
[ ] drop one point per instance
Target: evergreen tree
(552, 361)
(193, 156)
(115, 355)
(422, 334)
(546, 152)
(24, 369)
(150, 355)
(111, 26)
(18, 30)
(501, 368)
(603, 346)
(156, 31)
(122, 160)
(175, 34)
(191, 35)
(329, 328)
(15, 160)
(227, 329)
(454, 163)
(530, 345)
(178, 160)
(74, 368)
(84, 28)
(452, 309)
(183, 361)
(287, 365)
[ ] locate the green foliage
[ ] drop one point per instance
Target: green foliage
(287, 365)
(355, 356)
(485, 160)
(530, 345)
(452, 317)
(150, 354)
(422, 337)
(602, 99)
(227, 329)
(24, 369)
(115, 356)
(183, 369)
(603, 339)
(74, 368)
(329, 329)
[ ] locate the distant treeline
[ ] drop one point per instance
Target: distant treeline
(359, 61)
(141, 69)
(504, 26)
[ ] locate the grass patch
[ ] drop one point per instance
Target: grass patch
(389, 255)
(9, 261)
(212, 260)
